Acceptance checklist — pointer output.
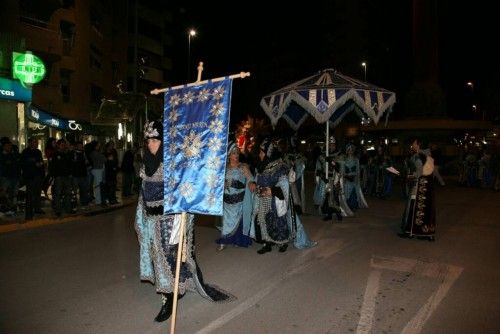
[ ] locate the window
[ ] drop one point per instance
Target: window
(95, 20)
(65, 85)
(95, 57)
(67, 34)
(95, 94)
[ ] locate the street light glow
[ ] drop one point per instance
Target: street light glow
(364, 66)
(191, 33)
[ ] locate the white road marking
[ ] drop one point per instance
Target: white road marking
(393, 263)
(447, 274)
(295, 268)
(417, 323)
(368, 309)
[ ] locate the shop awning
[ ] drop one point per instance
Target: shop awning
(40, 116)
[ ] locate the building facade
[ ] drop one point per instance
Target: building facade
(90, 50)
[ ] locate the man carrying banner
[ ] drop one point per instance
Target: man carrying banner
(158, 233)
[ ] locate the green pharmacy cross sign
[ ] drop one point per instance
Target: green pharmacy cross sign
(27, 67)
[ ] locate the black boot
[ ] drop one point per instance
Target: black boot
(283, 248)
(338, 213)
(267, 248)
(166, 308)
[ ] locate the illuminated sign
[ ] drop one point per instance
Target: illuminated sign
(13, 90)
(27, 67)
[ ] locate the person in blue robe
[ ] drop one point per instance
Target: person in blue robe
(352, 187)
(237, 202)
(274, 220)
(158, 234)
(297, 164)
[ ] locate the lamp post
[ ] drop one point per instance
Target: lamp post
(364, 66)
(191, 33)
(470, 84)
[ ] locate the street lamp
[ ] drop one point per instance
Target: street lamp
(471, 85)
(191, 33)
(364, 66)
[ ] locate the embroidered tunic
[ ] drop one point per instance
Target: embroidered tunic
(158, 236)
(275, 217)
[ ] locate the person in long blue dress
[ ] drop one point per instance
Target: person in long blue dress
(237, 202)
(352, 188)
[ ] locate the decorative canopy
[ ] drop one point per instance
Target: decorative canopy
(327, 95)
(125, 107)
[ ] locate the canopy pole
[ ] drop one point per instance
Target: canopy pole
(198, 82)
(327, 148)
(180, 250)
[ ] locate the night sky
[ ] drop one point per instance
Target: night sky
(280, 43)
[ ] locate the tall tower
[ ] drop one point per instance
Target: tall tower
(426, 98)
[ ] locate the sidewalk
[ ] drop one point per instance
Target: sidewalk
(17, 222)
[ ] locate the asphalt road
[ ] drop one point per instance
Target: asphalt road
(82, 276)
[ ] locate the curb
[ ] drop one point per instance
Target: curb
(40, 222)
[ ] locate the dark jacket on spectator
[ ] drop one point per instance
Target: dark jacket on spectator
(29, 159)
(60, 164)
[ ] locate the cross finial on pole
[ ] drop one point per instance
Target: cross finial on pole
(200, 69)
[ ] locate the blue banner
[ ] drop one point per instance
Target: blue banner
(195, 128)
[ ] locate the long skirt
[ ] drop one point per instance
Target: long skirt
(419, 218)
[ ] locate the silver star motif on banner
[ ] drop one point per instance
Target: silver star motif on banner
(188, 97)
(186, 190)
(192, 145)
(170, 200)
(174, 116)
(214, 162)
(214, 144)
(171, 182)
(172, 148)
(211, 199)
(216, 126)
(217, 109)
(218, 93)
(173, 132)
(212, 180)
(175, 100)
(204, 95)
(171, 165)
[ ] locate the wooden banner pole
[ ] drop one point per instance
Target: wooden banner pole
(198, 82)
(180, 250)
